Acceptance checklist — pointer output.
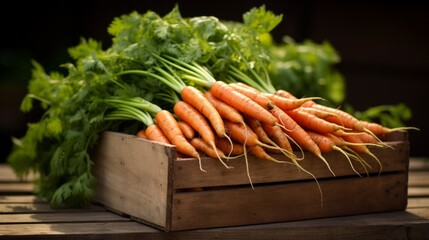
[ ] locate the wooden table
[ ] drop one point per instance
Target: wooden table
(23, 216)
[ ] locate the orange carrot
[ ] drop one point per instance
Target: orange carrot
(245, 135)
(225, 145)
(225, 111)
(379, 129)
(368, 138)
(242, 103)
(154, 133)
(196, 98)
(279, 137)
(187, 130)
(204, 147)
(141, 134)
(285, 94)
(264, 137)
(168, 124)
(318, 113)
(287, 104)
(256, 126)
(187, 113)
(260, 152)
(360, 147)
(311, 122)
(327, 145)
(255, 95)
(298, 134)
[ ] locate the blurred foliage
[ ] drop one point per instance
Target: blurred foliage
(307, 69)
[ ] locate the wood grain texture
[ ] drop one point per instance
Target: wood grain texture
(187, 174)
(133, 176)
(289, 201)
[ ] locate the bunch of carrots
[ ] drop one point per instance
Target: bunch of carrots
(231, 119)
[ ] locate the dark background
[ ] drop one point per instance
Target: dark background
(384, 47)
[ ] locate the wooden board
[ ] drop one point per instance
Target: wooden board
(133, 176)
(289, 201)
(187, 174)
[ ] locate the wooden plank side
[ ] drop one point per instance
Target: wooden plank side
(132, 176)
(20, 199)
(290, 201)
(62, 217)
(418, 192)
(418, 202)
(187, 174)
(16, 188)
(72, 230)
(42, 208)
(8, 175)
(419, 164)
(418, 179)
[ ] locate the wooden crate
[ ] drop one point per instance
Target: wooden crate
(149, 183)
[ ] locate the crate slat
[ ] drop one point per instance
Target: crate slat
(289, 201)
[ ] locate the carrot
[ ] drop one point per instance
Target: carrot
(260, 152)
(360, 146)
(327, 145)
(141, 133)
(255, 95)
(310, 121)
(196, 120)
(368, 138)
(256, 126)
(188, 114)
(154, 133)
(380, 130)
(169, 126)
(299, 135)
(225, 110)
(318, 113)
(187, 130)
(245, 135)
(196, 98)
(287, 104)
(225, 145)
(285, 94)
(242, 103)
(207, 149)
(279, 137)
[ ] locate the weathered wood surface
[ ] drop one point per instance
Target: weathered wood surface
(122, 173)
(23, 216)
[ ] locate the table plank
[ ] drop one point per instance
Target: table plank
(20, 199)
(8, 175)
(42, 208)
(63, 217)
(419, 164)
(16, 188)
(418, 178)
(92, 228)
(418, 202)
(418, 192)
